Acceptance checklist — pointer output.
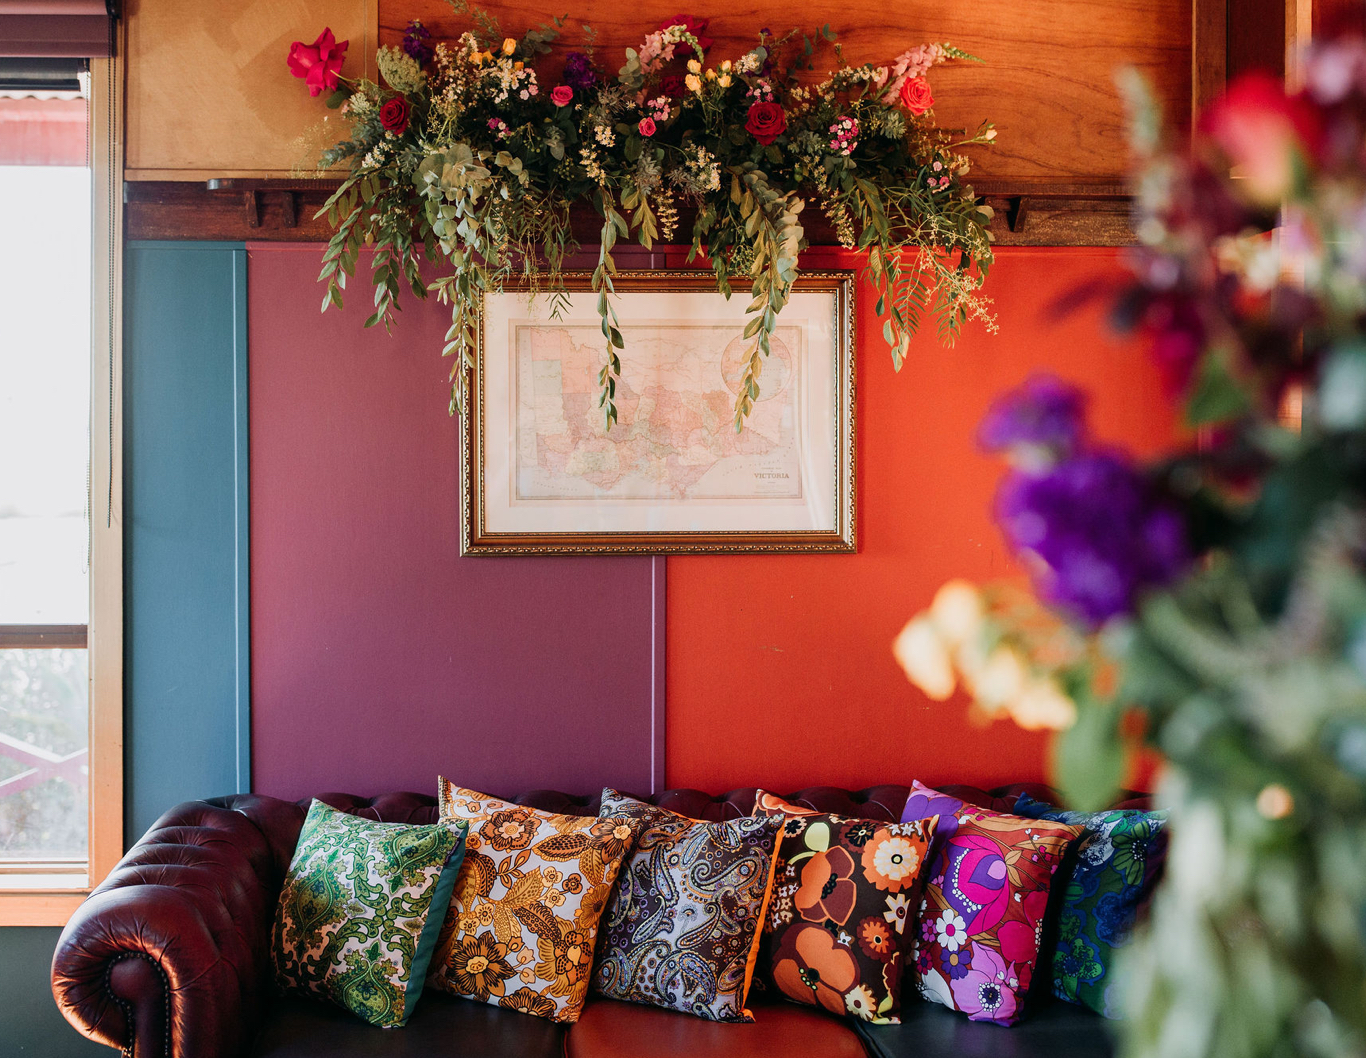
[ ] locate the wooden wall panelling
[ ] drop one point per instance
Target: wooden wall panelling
(1209, 52)
(209, 93)
(1339, 16)
(1047, 80)
(1299, 29)
(1256, 36)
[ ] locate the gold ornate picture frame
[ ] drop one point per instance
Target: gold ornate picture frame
(540, 475)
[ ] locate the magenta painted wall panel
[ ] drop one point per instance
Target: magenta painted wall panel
(379, 657)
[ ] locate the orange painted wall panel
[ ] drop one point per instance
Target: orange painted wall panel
(779, 668)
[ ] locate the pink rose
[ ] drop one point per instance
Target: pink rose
(915, 95)
(647, 126)
(561, 95)
(1271, 138)
(319, 63)
(766, 122)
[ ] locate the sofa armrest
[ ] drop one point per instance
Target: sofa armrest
(170, 956)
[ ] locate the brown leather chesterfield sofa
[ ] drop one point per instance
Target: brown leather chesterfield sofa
(169, 958)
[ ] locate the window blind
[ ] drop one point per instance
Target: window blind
(57, 28)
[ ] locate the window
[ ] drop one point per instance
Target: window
(60, 539)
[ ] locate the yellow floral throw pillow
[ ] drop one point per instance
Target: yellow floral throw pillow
(523, 921)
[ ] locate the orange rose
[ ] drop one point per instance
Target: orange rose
(915, 95)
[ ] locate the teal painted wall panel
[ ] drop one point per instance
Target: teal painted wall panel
(186, 680)
(31, 1026)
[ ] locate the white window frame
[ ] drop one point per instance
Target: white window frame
(49, 905)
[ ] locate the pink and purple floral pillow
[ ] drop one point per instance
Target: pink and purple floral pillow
(981, 915)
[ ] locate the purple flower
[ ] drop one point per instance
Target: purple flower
(415, 40)
(578, 71)
(1096, 530)
(955, 964)
(1043, 415)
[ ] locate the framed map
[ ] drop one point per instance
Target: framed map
(540, 473)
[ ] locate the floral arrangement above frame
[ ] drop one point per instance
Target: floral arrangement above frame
(469, 155)
(539, 475)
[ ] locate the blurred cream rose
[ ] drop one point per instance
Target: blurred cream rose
(957, 611)
(1042, 706)
(924, 657)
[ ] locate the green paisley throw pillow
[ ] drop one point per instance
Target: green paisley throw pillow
(361, 908)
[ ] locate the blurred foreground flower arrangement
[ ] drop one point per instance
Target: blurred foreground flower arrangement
(1211, 606)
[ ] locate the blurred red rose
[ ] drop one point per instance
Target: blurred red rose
(318, 63)
(394, 115)
(696, 26)
(915, 95)
(766, 122)
(672, 86)
(1268, 138)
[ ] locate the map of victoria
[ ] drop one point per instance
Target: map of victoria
(674, 440)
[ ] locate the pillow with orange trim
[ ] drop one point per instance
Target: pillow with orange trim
(682, 929)
(841, 894)
(977, 941)
(522, 923)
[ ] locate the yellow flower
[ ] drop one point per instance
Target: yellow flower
(711, 75)
(694, 66)
(724, 80)
(517, 65)
(478, 58)
(509, 45)
(925, 659)
(693, 82)
(725, 66)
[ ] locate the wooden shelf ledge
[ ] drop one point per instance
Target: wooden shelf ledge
(1028, 213)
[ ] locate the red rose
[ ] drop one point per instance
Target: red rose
(318, 63)
(672, 86)
(766, 122)
(562, 95)
(696, 26)
(915, 95)
(394, 115)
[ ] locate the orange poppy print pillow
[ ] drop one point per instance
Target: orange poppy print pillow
(523, 921)
(842, 894)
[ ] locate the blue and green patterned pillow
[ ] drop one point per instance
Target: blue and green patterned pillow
(361, 908)
(1118, 860)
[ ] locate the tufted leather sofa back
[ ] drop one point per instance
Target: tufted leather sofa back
(281, 821)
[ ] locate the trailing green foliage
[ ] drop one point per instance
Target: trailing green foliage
(465, 159)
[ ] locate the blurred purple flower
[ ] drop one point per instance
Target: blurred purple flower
(1097, 531)
(578, 71)
(1043, 416)
(415, 39)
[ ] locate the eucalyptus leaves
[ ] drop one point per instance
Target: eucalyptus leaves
(467, 159)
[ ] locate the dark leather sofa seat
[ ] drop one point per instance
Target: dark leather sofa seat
(170, 958)
(441, 1025)
(1052, 1029)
